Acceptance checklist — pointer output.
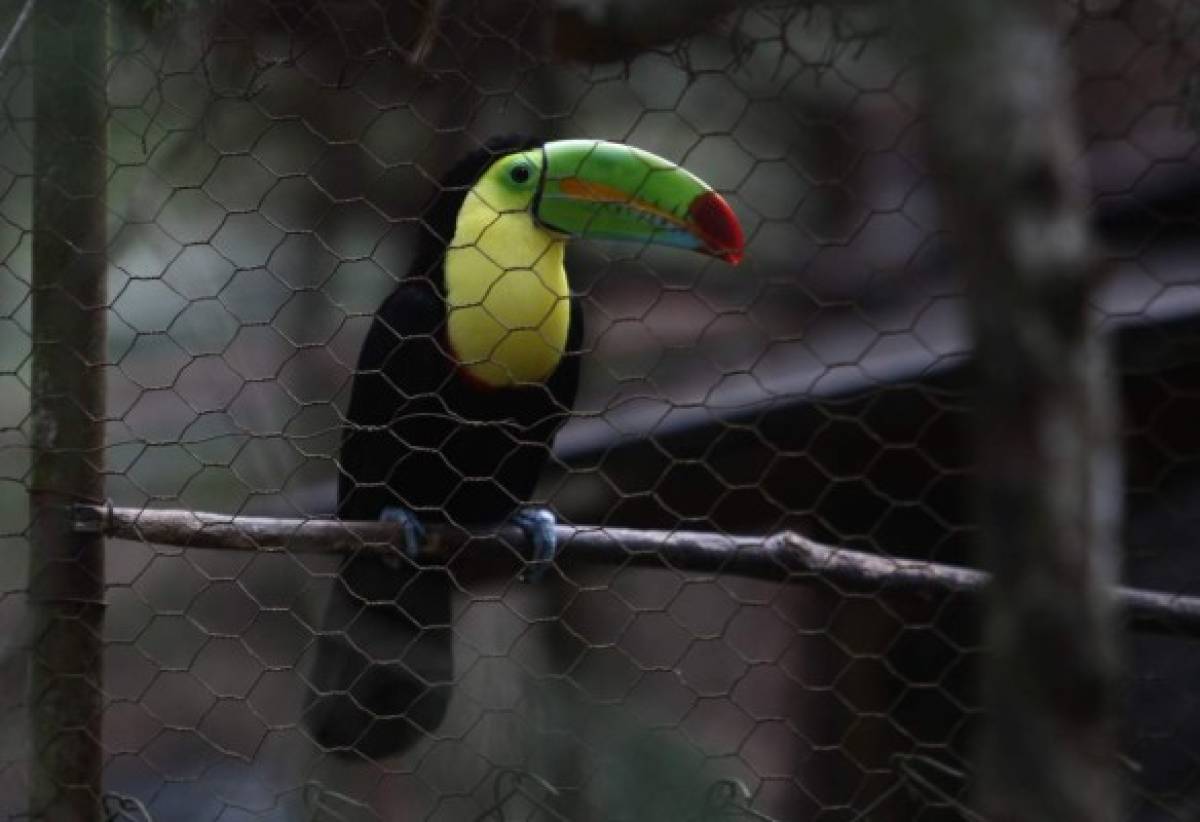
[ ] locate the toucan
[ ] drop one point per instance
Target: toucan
(468, 370)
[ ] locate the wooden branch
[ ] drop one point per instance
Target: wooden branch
(783, 557)
(427, 32)
(17, 27)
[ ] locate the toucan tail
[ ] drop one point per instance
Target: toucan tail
(383, 664)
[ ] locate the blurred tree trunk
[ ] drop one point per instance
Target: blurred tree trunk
(66, 583)
(1003, 137)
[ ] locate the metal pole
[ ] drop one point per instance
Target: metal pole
(66, 582)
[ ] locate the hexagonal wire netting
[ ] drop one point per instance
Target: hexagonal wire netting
(269, 163)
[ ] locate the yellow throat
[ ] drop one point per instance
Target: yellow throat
(507, 297)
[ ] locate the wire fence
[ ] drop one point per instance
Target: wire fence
(268, 167)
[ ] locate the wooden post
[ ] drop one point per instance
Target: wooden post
(1002, 136)
(66, 583)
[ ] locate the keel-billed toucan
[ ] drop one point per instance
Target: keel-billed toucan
(468, 370)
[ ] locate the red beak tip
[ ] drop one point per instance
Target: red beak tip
(718, 227)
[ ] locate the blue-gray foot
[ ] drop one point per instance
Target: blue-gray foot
(538, 525)
(414, 531)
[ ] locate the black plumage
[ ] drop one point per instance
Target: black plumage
(422, 435)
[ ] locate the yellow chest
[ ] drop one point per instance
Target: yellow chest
(507, 297)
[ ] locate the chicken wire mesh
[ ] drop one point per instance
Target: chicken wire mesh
(269, 167)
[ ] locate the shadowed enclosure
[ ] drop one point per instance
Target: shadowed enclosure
(963, 339)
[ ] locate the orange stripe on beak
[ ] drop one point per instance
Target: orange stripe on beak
(602, 193)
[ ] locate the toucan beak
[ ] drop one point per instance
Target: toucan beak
(610, 191)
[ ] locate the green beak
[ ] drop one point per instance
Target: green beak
(610, 191)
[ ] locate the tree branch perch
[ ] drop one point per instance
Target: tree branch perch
(783, 557)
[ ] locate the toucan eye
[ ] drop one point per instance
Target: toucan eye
(519, 173)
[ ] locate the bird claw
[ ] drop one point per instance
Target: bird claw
(538, 525)
(414, 531)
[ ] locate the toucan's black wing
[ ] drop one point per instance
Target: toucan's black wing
(401, 377)
(423, 436)
(383, 663)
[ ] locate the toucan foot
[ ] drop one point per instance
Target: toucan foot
(414, 531)
(538, 525)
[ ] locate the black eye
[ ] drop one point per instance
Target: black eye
(519, 173)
